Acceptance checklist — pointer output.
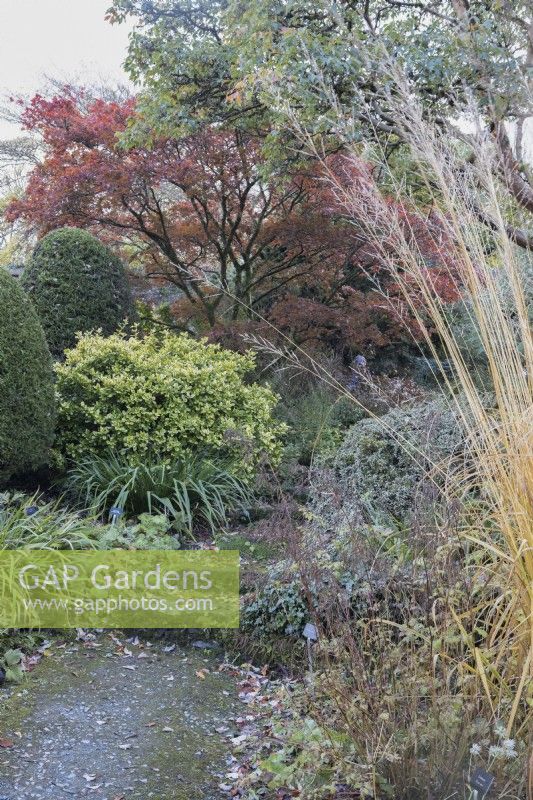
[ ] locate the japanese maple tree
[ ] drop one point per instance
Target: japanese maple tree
(196, 207)
(198, 214)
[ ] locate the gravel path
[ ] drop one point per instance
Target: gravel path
(115, 720)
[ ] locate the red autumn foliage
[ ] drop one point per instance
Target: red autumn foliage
(197, 214)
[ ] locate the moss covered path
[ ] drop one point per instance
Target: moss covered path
(113, 720)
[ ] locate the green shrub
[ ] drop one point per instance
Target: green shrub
(27, 405)
(280, 606)
(277, 609)
(76, 284)
(162, 397)
(316, 422)
(382, 463)
(186, 491)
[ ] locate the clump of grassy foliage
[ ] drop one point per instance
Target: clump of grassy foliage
(498, 528)
(412, 694)
(190, 490)
(31, 523)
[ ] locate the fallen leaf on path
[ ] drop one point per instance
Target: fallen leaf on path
(6, 743)
(30, 662)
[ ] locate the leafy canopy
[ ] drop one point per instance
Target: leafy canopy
(258, 65)
(214, 60)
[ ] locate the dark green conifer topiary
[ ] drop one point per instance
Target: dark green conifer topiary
(27, 403)
(76, 284)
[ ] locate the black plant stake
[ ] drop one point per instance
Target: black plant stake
(480, 783)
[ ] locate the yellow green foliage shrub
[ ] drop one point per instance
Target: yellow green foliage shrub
(163, 396)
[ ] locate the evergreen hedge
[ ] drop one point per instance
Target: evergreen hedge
(27, 404)
(77, 285)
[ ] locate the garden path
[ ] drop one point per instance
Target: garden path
(111, 719)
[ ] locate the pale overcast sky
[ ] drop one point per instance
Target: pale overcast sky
(66, 39)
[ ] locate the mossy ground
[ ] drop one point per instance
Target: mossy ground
(85, 724)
